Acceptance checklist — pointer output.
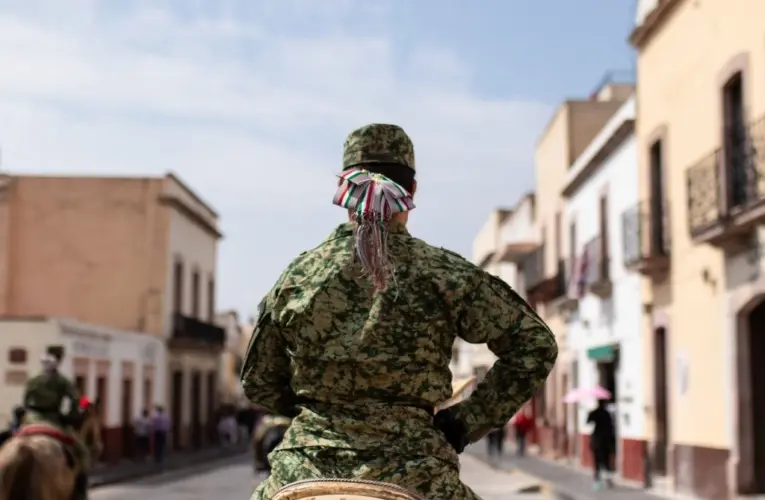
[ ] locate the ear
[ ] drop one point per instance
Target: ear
(414, 188)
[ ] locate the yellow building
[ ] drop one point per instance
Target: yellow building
(701, 148)
(573, 126)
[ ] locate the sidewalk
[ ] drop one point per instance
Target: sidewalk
(566, 482)
(128, 470)
(492, 484)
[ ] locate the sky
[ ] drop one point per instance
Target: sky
(249, 102)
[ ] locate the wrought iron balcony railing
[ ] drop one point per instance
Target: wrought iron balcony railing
(646, 233)
(187, 329)
(534, 268)
(705, 193)
(729, 182)
(597, 261)
(744, 159)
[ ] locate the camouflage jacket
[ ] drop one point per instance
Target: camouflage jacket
(361, 369)
(45, 395)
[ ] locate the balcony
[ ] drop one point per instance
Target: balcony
(726, 189)
(568, 302)
(192, 333)
(645, 238)
(539, 286)
(515, 252)
(598, 277)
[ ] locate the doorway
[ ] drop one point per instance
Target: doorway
(127, 418)
(196, 408)
(751, 380)
(176, 409)
(608, 373)
(662, 401)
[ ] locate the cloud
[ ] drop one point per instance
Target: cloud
(250, 106)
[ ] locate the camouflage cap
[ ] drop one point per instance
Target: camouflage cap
(57, 351)
(378, 143)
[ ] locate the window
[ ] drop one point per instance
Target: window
(656, 209)
(81, 385)
(101, 395)
(604, 224)
(17, 355)
(736, 141)
(211, 299)
(178, 286)
(148, 396)
(195, 294)
(572, 242)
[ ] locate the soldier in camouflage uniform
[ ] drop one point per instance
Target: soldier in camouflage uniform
(354, 341)
(51, 398)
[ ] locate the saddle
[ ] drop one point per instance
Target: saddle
(49, 430)
(344, 489)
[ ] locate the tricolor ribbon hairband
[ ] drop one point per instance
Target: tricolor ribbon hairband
(371, 195)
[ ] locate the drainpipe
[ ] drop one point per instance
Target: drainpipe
(647, 466)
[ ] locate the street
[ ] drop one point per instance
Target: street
(234, 479)
(225, 479)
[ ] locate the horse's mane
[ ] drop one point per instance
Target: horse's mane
(35, 468)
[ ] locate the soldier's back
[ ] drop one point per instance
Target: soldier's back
(374, 363)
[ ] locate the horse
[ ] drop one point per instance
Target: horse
(266, 437)
(38, 462)
(89, 429)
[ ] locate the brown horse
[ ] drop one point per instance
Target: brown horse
(38, 464)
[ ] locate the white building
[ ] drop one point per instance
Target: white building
(517, 237)
(604, 334)
(124, 371)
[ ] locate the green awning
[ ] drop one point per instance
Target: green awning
(603, 353)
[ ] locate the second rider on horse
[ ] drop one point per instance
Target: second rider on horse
(51, 399)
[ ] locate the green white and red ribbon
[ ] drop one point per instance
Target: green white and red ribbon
(371, 195)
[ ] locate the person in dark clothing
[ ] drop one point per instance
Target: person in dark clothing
(602, 443)
(495, 441)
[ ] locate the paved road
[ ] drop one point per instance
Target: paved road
(224, 480)
(233, 478)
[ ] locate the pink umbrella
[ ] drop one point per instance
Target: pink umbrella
(580, 394)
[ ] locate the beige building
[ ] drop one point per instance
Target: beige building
(232, 357)
(135, 254)
(546, 269)
(122, 371)
(701, 136)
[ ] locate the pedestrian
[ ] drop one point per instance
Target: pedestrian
(602, 444)
(142, 430)
(495, 442)
(160, 427)
(521, 426)
(352, 341)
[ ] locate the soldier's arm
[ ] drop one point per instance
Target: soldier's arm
(29, 389)
(265, 374)
(70, 391)
(524, 345)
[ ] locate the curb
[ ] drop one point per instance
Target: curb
(153, 469)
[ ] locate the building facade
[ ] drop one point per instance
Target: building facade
(701, 136)
(232, 358)
(136, 254)
(546, 269)
(123, 371)
(604, 329)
